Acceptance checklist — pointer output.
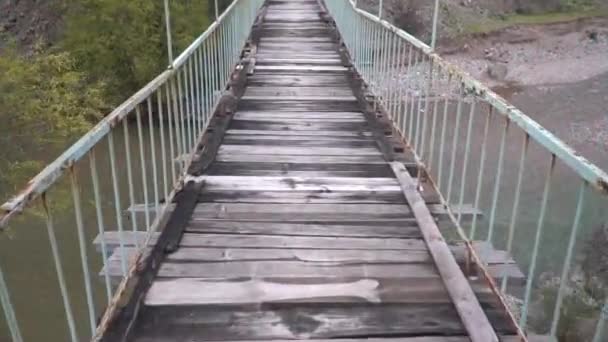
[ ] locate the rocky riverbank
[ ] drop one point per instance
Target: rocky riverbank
(536, 55)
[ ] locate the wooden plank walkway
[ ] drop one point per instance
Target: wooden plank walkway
(301, 228)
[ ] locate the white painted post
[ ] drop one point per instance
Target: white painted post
(380, 10)
(435, 19)
(168, 28)
(217, 10)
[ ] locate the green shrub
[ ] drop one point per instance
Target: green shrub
(123, 43)
(45, 102)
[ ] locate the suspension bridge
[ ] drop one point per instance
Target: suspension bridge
(307, 171)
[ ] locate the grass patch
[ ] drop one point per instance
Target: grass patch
(491, 24)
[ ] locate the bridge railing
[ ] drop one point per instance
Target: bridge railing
(134, 158)
(541, 201)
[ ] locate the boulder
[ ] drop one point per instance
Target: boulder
(498, 71)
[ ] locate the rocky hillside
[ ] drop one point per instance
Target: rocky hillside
(28, 22)
(458, 17)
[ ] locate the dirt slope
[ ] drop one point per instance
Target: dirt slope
(27, 22)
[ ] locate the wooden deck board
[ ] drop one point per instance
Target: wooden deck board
(293, 270)
(304, 321)
(473, 317)
(200, 291)
(303, 197)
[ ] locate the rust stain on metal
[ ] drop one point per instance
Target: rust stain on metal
(602, 185)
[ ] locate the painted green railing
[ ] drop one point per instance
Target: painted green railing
(540, 197)
(170, 115)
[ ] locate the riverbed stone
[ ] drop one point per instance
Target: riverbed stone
(498, 71)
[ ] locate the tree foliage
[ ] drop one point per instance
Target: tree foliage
(123, 43)
(108, 49)
(45, 102)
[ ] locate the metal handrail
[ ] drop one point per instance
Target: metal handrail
(586, 169)
(427, 98)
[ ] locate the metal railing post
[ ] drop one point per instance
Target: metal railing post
(380, 9)
(217, 11)
(9, 311)
(601, 323)
(168, 29)
(435, 19)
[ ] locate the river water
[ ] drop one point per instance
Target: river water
(574, 112)
(25, 250)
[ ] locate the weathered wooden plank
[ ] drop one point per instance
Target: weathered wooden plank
(299, 98)
(323, 256)
(275, 241)
(298, 126)
(293, 270)
(293, 32)
(302, 120)
(270, 136)
(280, 17)
(325, 47)
(357, 211)
(303, 30)
(286, 93)
(295, 144)
(353, 256)
(299, 61)
(497, 269)
(305, 26)
(401, 229)
(328, 184)
(296, 80)
(271, 166)
(302, 197)
(300, 106)
(303, 68)
(301, 53)
(473, 317)
(299, 151)
(279, 50)
(262, 158)
(367, 339)
(304, 321)
(262, 115)
(262, 212)
(299, 91)
(267, 54)
(197, 291)
(317, 134)
(305, 242)
(287, 40)
(307, 45)
(437, 210)
(253, 171)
